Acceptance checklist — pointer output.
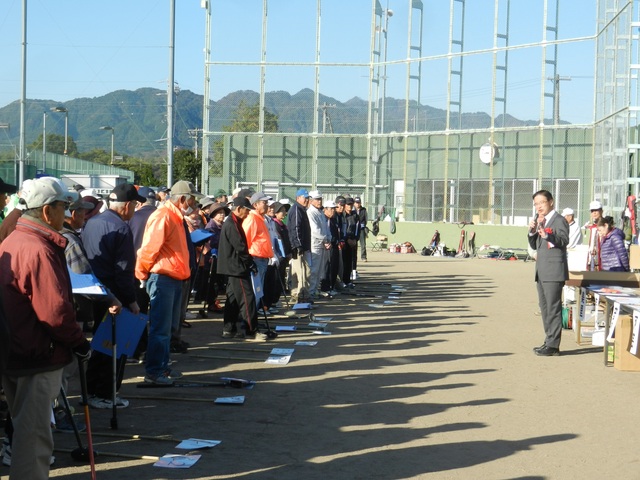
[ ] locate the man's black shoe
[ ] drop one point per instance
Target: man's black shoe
(535, 349)
(547, 351)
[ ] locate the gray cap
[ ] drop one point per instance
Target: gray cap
(206, 201)
(259, 196)
(182, 187)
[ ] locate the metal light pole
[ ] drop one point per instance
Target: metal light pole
(44, 142)
(170, 91)
(113, 132)
(66, 125)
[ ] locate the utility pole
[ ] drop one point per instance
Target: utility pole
(326, 119)
(195, 134)
(556, 79)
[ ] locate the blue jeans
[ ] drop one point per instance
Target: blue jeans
(165, 308)
(262, 264)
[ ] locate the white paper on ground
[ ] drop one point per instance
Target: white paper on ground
(301, 306)
(237, 400)
(177, 461)
(282, 351)
(320, 332)
(197, 443)
(278, 359)
(306, 343)
(320, 318)
(317, 325)
(285, 328)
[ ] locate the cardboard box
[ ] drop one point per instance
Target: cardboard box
(624, 279)
(622, 359)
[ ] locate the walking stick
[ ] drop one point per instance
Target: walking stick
(114, 361)
(87, 419)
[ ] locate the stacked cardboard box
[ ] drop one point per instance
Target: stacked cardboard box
(622, 358)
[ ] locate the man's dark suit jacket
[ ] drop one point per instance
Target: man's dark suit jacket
(551, 262)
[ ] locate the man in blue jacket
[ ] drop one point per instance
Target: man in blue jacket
(109, 245)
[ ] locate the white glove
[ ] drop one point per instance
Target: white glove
(274, 261)
(143, 284)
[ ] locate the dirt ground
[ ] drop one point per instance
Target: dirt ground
(442, 385)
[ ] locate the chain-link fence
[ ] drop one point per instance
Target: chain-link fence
(457, 124)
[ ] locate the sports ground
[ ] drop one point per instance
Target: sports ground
(441, 383)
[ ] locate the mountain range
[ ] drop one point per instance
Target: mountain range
(138, 118)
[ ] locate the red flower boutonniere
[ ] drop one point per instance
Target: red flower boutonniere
(548, 231)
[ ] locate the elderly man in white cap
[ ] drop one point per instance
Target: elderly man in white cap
(593, 260)
(320, 243)
(575, 233)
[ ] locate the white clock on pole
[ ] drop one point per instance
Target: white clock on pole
(487, 153)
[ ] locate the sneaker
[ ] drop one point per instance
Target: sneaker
(333, 293)
(64, 423)
(162, 379)
(190, 316)
(6, 454)
(104, 403)
(179, 347)
(325, 294)
(228, 334)
(173, 374)
(255, 337)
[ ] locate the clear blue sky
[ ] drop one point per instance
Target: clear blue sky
(81, 48)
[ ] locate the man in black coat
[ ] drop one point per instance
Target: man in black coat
(363, 218)
(237, 264)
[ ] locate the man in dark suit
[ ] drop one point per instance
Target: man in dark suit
(549, 236)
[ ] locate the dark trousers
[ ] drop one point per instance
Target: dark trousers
(240, 304)
(142, 299)
(363, 243)
(100, 367)
(550, 301)
(272, 288)
(334, 266)
(347, 261)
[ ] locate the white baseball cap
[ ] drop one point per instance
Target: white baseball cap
(595, 205)
(45, 191)
(329, 204)
(567, 211)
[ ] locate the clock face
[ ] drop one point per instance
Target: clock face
(487, 152)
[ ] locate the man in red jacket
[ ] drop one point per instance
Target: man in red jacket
(34, 280)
